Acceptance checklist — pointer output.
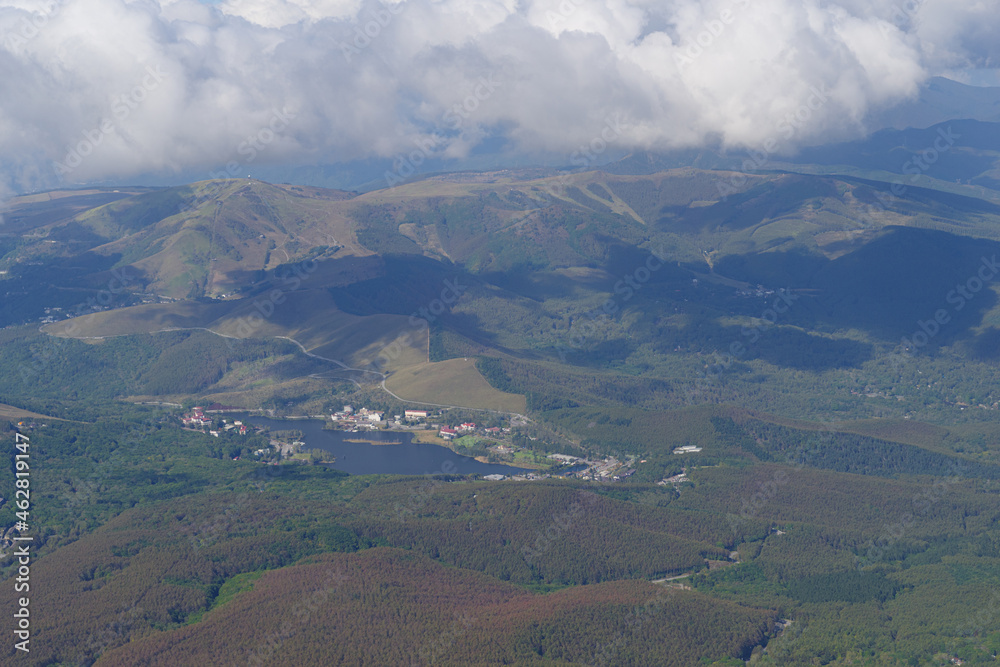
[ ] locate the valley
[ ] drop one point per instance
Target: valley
(736, 380)
(544, 333)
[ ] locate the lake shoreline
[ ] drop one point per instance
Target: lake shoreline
(384, 452)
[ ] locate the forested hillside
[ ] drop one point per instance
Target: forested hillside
(783, 395)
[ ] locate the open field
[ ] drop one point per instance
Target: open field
(12, 413)
(307, 316)
(453, 382)
(147, 318)
(428, 437)
(382, 342)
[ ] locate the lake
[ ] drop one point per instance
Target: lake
(362, 458)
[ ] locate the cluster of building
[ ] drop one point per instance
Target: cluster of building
(236, 425)
(760, 292)
(30, 425)
(606, 470)
(364, 418)
(51, 314)
(676, 479)
(54, 314)
(196, 419)
(199, 420)
(356, 420)
(449, 432)
(525, 477)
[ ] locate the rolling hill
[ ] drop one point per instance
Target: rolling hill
(520, 267)
(846, 471)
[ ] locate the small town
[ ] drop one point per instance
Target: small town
(198, 420)
(364, 419)
(489, 443)
(605, 470)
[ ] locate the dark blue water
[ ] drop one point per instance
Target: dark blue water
(360, 458)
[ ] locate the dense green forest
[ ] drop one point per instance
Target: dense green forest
(153, 535)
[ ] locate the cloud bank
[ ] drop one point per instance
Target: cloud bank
(98, 89)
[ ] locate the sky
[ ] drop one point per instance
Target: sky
(92, 90)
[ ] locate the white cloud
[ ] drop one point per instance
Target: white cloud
(365, 78)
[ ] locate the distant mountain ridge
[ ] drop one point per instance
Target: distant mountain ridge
(939, 101)
(220, 237)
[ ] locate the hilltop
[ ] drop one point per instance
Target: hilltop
(788, 364)
(537, 277)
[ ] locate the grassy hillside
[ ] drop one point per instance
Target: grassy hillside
(452, 382)
(207, 238)
(14, 414)
(847, 478)
(594, 288)
(68, 377)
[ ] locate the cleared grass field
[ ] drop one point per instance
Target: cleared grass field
(453, 382)
(308, 316)
(14, 413)
(375, 343)
(147, 318)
